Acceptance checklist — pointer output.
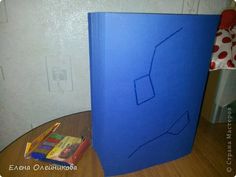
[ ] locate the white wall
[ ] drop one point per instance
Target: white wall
(44, 65)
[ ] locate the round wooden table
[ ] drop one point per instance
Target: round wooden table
(207, 159)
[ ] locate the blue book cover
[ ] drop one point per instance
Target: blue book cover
(148, 76)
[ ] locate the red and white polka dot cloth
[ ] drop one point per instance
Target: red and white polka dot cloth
(224, 49)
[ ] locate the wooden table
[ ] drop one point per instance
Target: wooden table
(208, 158)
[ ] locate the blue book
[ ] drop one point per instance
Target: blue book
(148, 76)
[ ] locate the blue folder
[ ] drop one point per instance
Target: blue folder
(148, 75)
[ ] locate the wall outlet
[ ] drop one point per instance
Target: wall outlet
(59, 74)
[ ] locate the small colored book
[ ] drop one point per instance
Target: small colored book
(58, 149)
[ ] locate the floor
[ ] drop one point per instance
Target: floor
(208, 158)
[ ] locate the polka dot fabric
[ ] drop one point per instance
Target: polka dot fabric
(224, 49)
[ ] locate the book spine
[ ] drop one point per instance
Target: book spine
(97, 73)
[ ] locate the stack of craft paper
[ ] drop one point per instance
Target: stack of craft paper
(148, 74)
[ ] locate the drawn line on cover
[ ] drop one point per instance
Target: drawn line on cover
(147, 77)
(171, 131)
